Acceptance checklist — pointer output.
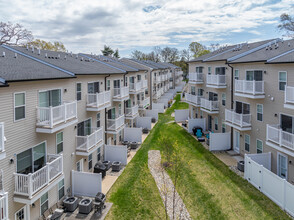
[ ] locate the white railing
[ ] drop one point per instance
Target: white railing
(250, 87)
(209, 105)
(144, 103)
(289, 94)
(164, 77)
(98, 100)
(242, 120)
(51, 116)
(196, 77)
(158, 93)
(4, 206)
(144, 84)
(121, 92)
(282, 138)
(114, 124)
(136, 87)
(169, 75)
(1, 137)
(194, 99)
(29, 184)
(179, 73)
(158, 79)
(85, 143)
(130, 112)
(217, 80)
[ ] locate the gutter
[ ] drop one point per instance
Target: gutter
(232, 102)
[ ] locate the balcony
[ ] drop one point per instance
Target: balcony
(52, 119)
(179, 73)
(115, 125)
(289, 97)
(216, 81)
(138, 86)
(193, 99)
(276, 137)
(164, 77)
(120, 94)
(158, 93)
(132, 112)
(242, 122)
(143, 104)
(30, 184)
(144, 84)
(85, 145)
(211, 107)
(98, 101)
(196, 78)
(158, 79)
(4, 206)
(249, 89)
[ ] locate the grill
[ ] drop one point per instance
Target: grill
(100, 168)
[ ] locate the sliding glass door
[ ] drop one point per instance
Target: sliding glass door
(50, 98)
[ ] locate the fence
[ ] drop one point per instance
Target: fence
(144, 122)
(193, 122)
(219, 141)
(277, 189)
(116, 153)
(152, 113)
(133, 134)
(181, 115)
(159, 107)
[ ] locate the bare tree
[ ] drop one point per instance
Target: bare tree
(169, 54)
(138, 55)
(14, 34)
(287, 24)
(186, 55)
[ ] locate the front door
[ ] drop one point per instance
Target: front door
(282, 166)
(80, 166)
(236, 141)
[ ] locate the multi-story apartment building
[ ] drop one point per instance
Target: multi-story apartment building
(57, 112)
(246, 89)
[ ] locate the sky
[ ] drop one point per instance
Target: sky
(86, 26)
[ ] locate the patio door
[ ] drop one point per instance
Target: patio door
(93, 87)
(84, 127)
(80, 166)
(116, 83)
(212, 96)
(50, 98)
(282, 166)
(237, 141)
(255, 75)
(242, 108)
(287, 123)
(111, 113)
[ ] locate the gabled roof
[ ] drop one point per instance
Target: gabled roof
(22, 68)
(134, 64)
(287, 57)
(70, 62)
(145, 64)
(158, 65)
(170, 65)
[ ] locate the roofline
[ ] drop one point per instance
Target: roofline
(280, 55)
(38, 60)
(219, 54)
(28, 80)
(106, 64)
(256, 61)
(2, 80)
(284, 62)
(115, 61)
(100, 74)
(141, 64)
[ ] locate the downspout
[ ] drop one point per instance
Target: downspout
(125, 85)
(232, 102)
(105, 123)
(151, 89)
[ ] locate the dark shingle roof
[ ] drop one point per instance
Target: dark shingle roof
(145, 64)
(134, 64)
(287, 57)
(171, 65)
(23, 68)
(71, 62)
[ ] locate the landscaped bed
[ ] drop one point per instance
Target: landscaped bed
(210, 190)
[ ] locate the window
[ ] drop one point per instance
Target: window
(98, 120)
(236, 74)
(259, 146)
(50, 98)
(59, 142)
(90, 162)
(19, 106)
(223, 127)
(60, 189)
(93, 87)
(99, 154)
(193, 91)
(80, 165)
(44, 203)
(79, 91)
(196, 113)
(84, 127)
(247, 142)
(114, 139)
(199, 69)
(20, 215)
(139, 77)
(209, 70)
(224, 99)
(282, 166)
(200, 92)
(282, 80)
(201, 114)
(220, 70)
(119, 109)
(259, 110)
(216, 123)
(108, 85)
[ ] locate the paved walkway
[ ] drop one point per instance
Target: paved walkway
(166, 187)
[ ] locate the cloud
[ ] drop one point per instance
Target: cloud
(86, 26)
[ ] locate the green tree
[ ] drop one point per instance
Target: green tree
(287, 24)
(46, 45)
(107, 51)
(197, 49)
(116, 54)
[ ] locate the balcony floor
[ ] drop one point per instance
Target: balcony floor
(120, 99)
(90, 151)
(58, 127)
(208, 111)
(247, 127)
(111, 130)
(93, 108)
(289, 105)
(251, 96)
(216, 86)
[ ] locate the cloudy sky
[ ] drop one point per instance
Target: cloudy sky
(85, 26)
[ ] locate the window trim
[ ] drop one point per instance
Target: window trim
(60, 142)
(224, 95)
(24, 212)
(90, 161)
(79, 91)
(282, 81)
(25, 109)
(261, 146)
(44, 202)
(216, 123)
(248, 143)
(58, 189)
(259, 113)
(238, 74)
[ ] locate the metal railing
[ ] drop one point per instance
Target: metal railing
(250, 87)
(242, 120)
(98, 100)
(85, 143)
(4, 206)
(282, 138)
(194, 99)
(51, 116)
(130, 112)
(29, 184)
(217, 80)
(209, 105)
(121, 92)
(289, 94)
(144, 103)
(196, 77)
(114, 124)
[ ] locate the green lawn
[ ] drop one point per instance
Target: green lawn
(208, 187)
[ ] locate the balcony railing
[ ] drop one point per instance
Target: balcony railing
(158, 93)
(179, 73)
(216, 80)
(158, 79)
(4, 206)
(249, 87)
(193, 99)
(114, 124)
(144, 84)
(289, 95)
(241, 120)
(29, 184)
(144, 103)
(136, 87)
(1, 137)
(131, 112)
(85, 143)
(282, 138)
(119, 93)
(98, 100)
(196, 77)
(209, 105)
(51, 116)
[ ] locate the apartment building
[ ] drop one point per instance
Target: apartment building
(246, 89)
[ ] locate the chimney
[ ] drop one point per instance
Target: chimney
(27, 47)
(33, 49)
(15, 55)
(65, 57)
(46, 55)
(39, 51)
(3, 54)
(58, 56)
